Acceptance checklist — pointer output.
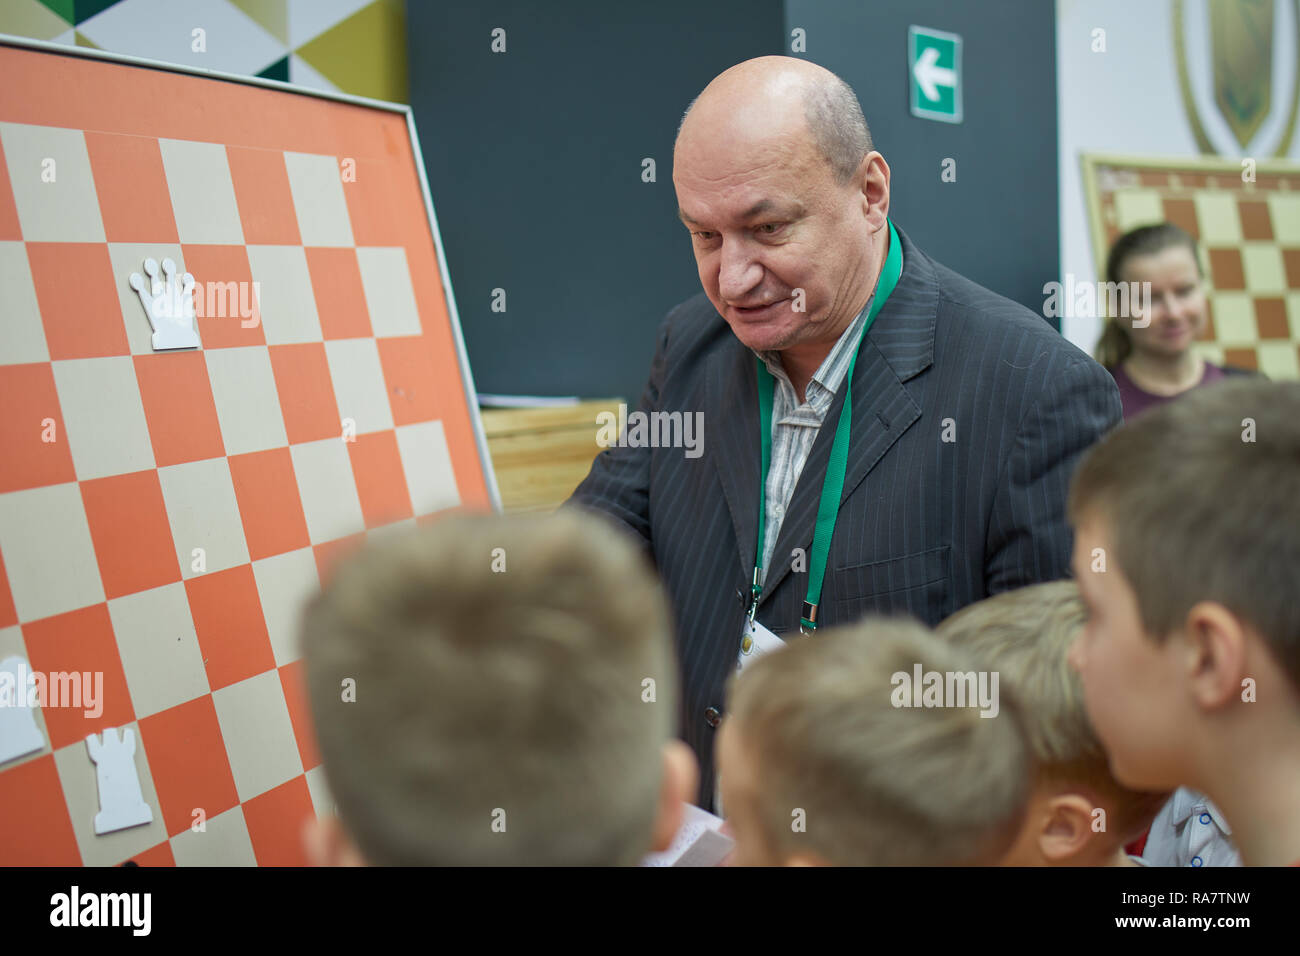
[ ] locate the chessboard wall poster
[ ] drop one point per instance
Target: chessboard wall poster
(228, 354)
(1246, 220)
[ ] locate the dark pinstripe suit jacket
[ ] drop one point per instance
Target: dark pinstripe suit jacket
(925, 526)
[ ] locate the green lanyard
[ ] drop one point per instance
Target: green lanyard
(833, 483)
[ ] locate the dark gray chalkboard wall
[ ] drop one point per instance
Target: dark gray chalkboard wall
(534, 158)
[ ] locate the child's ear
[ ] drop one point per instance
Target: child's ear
(681, 777)
(1216, 651)
(326, 843)
(1066, 828)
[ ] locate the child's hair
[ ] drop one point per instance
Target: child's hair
(502, 712)
(1114, 345)
(880, 784)
(1025, 635)
(1200, 500)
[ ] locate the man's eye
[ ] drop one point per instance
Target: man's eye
(704, 236)
(770, 228)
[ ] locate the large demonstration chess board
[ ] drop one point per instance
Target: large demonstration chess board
(163, 514)
(1249, 234)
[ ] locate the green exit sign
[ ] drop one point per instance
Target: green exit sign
(934, 65)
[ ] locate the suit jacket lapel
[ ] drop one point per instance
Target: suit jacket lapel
(731, 414)
(899, 345)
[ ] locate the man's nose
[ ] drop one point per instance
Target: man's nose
(739, 272)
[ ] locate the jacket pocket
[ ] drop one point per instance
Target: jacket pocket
(917, 584)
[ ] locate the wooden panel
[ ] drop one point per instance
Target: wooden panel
(541, 454)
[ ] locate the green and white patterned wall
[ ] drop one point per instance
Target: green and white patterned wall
(353, 46)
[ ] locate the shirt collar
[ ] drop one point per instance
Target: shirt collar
(1186, 802)
(830, 374)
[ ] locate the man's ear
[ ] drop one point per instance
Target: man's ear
(873, 179)
(1066, 828)
(1215, 643)
(326, 843)
(680, 779)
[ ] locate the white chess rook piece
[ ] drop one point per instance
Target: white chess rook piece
(19, 734)
(120, 801)
(169, 304)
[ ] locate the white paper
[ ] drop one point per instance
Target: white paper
(697, 842)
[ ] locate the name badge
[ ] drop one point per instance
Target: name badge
(755, 641)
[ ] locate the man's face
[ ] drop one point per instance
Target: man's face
(1134, 688)
(766, 219)
(739, 787)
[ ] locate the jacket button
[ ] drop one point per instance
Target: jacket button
(713, 716)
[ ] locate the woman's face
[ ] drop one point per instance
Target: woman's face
(1176, 307)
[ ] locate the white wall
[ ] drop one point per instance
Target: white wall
(1126, 101)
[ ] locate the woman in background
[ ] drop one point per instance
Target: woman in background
(1153, 363)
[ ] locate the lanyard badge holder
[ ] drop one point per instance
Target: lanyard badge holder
(833, 483)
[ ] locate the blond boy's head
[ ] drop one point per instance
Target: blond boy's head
(819, 765)
(497, 690)
(1078, 814)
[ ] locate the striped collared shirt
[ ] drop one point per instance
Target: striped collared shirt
(795, 426)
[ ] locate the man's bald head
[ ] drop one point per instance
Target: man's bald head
(786, 204)
(782, 95)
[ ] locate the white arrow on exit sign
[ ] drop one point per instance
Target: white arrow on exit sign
(931, 76)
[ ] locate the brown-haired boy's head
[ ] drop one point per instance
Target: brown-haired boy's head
(829, 755)
(1078, 814)
(496, 690)
(1187, 555)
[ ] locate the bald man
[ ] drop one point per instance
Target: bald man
(879, 433)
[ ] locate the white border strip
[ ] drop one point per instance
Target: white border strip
(462, 358)
(89, 54)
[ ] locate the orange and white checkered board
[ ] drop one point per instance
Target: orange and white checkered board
(1249, 236)
(164, 514)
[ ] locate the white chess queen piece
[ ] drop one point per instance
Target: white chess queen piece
(169, 304)
(121, 804)
(19, 734)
